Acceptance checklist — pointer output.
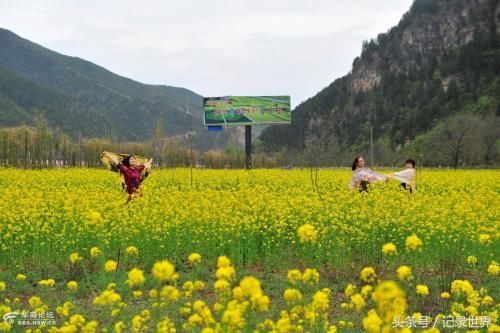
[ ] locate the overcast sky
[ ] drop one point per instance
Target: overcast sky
(213, 47)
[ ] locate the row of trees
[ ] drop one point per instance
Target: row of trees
(462, 140)
(465, 139)
(43, 147)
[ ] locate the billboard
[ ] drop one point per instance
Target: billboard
(246, 110)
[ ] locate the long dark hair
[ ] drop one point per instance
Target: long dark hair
(126, 161)
(355, 163)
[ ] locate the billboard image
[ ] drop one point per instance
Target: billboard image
(246, 110)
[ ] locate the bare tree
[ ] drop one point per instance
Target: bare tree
(490, 135)
(455, 133)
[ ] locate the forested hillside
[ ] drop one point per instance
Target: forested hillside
(429, 87)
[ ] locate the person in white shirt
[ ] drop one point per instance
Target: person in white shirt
(407, 176)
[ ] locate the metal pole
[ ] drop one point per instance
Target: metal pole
(248, 147)
(371, 145)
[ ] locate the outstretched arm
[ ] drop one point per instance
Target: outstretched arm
(149, 163)
(111, 157)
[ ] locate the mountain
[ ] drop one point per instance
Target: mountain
(85, 99)
(408, 86)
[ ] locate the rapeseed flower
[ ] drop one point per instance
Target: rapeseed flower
(135, 277)
(307, 233)
(413, 243)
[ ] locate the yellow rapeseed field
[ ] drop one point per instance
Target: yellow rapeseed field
(248, 251)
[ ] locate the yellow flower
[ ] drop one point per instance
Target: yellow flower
(137, 293)
(366, 291)
(20, 277)
(223, 261)
(107, 297)
(320, 301)
(226, 273)
(119, 327)
(485, 239)
(194, 258)
(164, 271)
(422, 289)
(47, 282)
(132, 251)
(165, 326)
(90, 327)
(199, 285)
(35, 302)
(95, 217)
(94, 252)
(135, 277)
(332, 329)
(169, 293)
(368, 274)
(5, 326)
(233, 316)
(493, 268)
(494, 328)
(188, 286)
(221, 286)
(404, 273)
(307, 233)
(310, 275)
(72, 285)
(77, 320)
(153, 293)
(389, 249)
(260, 302)
(250, 286)
(74, 258)
(218, 307)
(110, 266)
(462, 287)
(294, 276)
(64, 309)
(138, 324)
(358, 302)
(238, 293)
(350, 290)
(207, 330)
(292, 296)
(413, 243)
(472, 260)
(445, 295)
(3, 286)
(390, 300)
(487, 300)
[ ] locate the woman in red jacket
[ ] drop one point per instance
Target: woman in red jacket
(131, 171)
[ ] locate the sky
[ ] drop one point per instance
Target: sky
(212, 47)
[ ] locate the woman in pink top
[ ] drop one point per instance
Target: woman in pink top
(131, 171)
(362, 176)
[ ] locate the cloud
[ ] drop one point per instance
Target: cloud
(214, 47)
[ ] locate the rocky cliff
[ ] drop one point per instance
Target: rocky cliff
(443, 58)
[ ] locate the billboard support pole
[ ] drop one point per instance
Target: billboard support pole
(248, 147)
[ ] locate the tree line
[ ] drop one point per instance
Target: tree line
(40, 146)
(462, 140)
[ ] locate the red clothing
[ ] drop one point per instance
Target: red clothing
(132, 176)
